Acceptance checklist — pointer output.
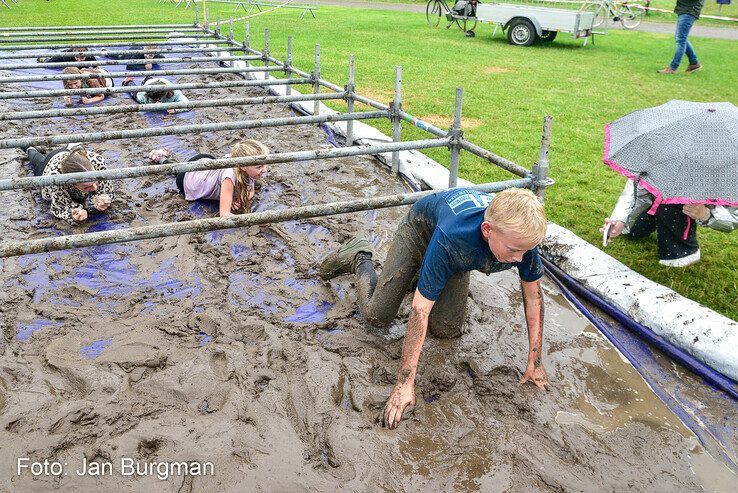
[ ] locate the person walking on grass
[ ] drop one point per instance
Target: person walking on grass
(442, 238)
(687, 11)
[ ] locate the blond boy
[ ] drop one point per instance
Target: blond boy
(444, 237)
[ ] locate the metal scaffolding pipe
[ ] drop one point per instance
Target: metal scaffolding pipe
(31, 182)
(10, 35)
(135, 108)
(133, 26)
(103, 45)
(14, 248)
(493, 158)
(176, 51)
(92, 37)
(124, 89)
(136, 73)
(131, 61)
(51, 140)
(540, 169)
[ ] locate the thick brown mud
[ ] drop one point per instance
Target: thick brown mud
(226, 348)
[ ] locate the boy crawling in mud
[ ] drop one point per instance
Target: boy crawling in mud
(443, 237)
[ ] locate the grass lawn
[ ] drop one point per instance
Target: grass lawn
(507, 91)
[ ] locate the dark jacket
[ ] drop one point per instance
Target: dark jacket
(691, 7)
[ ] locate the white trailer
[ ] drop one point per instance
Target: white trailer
(527, 23)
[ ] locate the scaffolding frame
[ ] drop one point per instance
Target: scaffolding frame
(451, 138)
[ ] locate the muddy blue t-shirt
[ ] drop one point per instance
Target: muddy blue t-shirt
(457, 244)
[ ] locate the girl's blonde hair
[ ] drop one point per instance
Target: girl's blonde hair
(76, 162)
(70, 70)
(518, 211)
(243, 149)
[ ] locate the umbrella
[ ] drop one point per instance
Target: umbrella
(682, 152)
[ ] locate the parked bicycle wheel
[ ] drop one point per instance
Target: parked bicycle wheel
(630, 18)
(601, 15)
(433, 12)
(467, 25)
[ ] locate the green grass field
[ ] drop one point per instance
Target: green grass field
(507, 91)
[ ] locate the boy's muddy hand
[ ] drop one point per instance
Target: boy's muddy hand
(101, 202)
(171, 111)
(68, 100)
(536, 374)
(148, 66)
(128, 81)
(615, 230)
(79, 215)
(403, 395)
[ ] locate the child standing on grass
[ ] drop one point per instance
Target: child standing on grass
(232, 187)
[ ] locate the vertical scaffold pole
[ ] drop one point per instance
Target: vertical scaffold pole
(316, 78)
(288, 65)
(396, 110)
(217, 25)
(350, 88)
(265, 55)
(197, 15)
(540, 169)
(230, 29)
(247, 39)
(455, 145)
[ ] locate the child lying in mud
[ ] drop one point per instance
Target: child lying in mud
(69, 55)
(151, 53)
(164, 96)
(68, 201)
(93, 83)
(234, 188)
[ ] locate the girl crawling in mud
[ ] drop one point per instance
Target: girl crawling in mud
(92, 83)
(68, 201)
(234, 188)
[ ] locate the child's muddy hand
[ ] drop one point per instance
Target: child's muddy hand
(68, 100)
(171, 111)
(401, 397)
(79, 215)
(236, 206)
(101, 202)
(536, 374)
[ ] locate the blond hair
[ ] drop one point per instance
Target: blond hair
(76, 162)
(70, 70)
(518, 211)
(243, 149)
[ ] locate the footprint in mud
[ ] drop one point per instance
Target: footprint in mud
(219, 364)
(149, 448)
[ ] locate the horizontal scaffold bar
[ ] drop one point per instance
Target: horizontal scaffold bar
(149, 88)
(100, 37)
(135, 108)
(31, 182)
(9, 249)
(118, 26)
(141, 51)
(138, 73)
(185, 129)
(494, 158)
(131, 61)
(103, 45)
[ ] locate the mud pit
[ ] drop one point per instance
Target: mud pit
(226, 348)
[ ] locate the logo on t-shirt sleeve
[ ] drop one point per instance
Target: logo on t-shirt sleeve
(463, 200)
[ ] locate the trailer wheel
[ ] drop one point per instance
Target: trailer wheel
(521, 32)
(548, 36)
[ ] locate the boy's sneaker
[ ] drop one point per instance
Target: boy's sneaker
(682, 262)
(343, 261)
(667, 70)
(693, 68)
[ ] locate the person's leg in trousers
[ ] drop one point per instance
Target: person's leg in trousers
(684, 24)
(643, 226)
(380, 299)
(37, 161)
(676, 233)
(449, 311)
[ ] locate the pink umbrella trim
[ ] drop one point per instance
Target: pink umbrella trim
(658, 197)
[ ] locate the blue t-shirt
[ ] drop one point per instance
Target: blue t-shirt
(457, 244)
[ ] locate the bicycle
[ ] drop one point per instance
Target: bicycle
(621, 11)
(434, 9)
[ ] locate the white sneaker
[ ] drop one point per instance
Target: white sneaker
(682, 262)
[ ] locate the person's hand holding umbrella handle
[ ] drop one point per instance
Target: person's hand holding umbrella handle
(698, 212)
(616, 227)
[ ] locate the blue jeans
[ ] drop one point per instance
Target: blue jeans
(684, 24)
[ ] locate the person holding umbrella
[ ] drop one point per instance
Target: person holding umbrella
(681, 159)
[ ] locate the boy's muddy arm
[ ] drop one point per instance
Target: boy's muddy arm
(533, 306)
(403, 394)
